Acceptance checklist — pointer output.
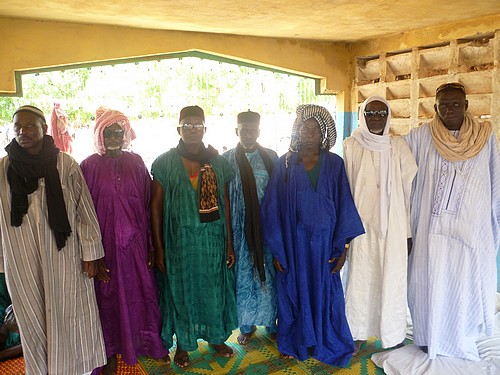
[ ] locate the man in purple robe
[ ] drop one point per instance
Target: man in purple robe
(308, 220)
(128, 296)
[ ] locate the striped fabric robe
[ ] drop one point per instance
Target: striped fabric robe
(455, 215)
(53, 300)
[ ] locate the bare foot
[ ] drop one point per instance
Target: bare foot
(222, 349)
(244, 338)
(286, 356)
(181, 358)
(164, 360)
(357, 346)
(110, 368)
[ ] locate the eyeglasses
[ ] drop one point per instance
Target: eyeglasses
(192, 126)
(381, 113)
(118, 133)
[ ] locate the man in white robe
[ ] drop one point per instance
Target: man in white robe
(455, 215)
(50, 245)
(380, 168)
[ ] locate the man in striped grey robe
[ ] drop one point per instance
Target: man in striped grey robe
(50, 245)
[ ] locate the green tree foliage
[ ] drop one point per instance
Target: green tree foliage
(159, 88)
(151, 93)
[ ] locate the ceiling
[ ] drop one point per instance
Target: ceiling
(332, 20)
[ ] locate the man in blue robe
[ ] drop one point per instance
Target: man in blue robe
(308, 220)
(255, 273)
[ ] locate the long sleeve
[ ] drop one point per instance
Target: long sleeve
(2, 266)
(349, 224)
(495, 188)
(408, 172)
(272, 212)
(87, 228)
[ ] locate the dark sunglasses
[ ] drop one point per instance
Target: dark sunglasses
(108, 133)
(381, 113)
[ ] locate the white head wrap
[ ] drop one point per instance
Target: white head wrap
(382, 144)
(363, 135)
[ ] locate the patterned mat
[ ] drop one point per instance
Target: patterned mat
(16, 367)
(259, 357)
(12, 367)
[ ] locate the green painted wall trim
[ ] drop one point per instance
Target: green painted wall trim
(177, 55)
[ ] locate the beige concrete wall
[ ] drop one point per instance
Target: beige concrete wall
(428, 36)
(431, 56)
(28, 45)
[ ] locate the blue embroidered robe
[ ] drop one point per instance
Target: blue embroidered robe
(304, 228)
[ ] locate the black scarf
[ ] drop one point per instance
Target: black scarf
(23, 172)
(253, 230)
(208, 195)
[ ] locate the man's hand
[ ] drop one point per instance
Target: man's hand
(409, 245)
(227, 216)
(339, 262)
(96, 268)
(10, 320)
(278, 265)
(151, 259)
(160, 260)
(157, 227)
(230, 255)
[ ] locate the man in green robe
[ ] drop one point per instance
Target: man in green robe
(192, 240)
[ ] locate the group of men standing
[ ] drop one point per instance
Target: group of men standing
(248, 239)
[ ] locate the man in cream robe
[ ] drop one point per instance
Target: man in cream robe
(380, 169)
(455, 215)
(49, 260)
